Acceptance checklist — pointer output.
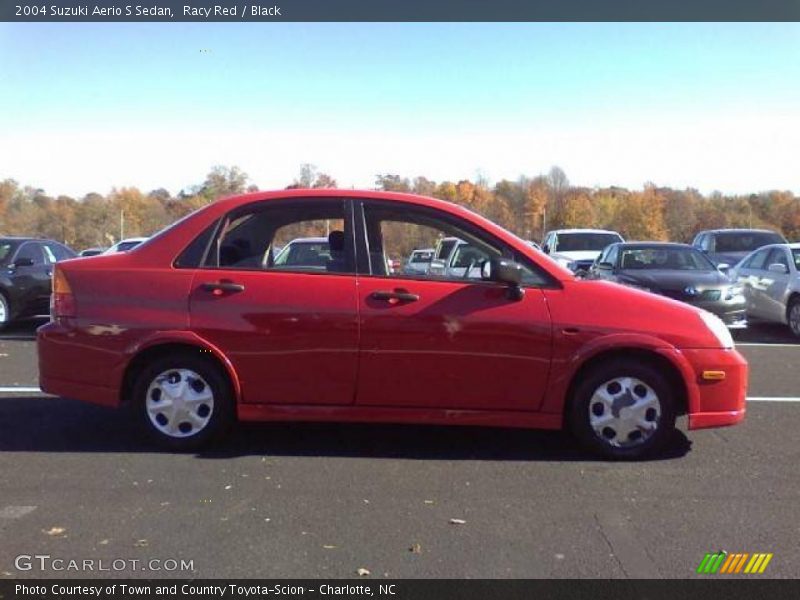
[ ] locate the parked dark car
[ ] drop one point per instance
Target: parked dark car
(676, 271)
(92, 252)
(726, 247)
(26, 268)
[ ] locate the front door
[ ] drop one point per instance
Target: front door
(278, 297)
(444, 341)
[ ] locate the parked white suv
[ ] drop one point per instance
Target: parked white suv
(577, 249)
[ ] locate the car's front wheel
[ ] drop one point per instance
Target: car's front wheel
(184, 401)
(5, 311)
(793, 316)
(623, 409)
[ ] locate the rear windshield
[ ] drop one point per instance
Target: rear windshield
(125, 246)
(738, 241)
(796, 257)
(575, 242)
(422, 257)
(666, 259)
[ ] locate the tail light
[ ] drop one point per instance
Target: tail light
(62, 302)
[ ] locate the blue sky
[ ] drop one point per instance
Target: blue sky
(87, 106)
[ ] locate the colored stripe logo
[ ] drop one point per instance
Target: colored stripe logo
(734, 563)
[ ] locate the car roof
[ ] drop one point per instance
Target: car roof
(559, 231)
(654, 245)
(423, 250)
(309, 240)
(738, 230)
(17, 238)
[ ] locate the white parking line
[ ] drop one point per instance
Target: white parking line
(759, 345)
(15, 512)
(35, 390)
(772, 399)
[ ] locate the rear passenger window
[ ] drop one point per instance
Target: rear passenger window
(310, 236)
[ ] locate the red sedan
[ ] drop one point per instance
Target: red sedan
(201, 325)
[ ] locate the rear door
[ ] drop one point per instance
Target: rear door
(33, 280)
(439, 341)
(290, 332)
(774, 285)
(749, 276)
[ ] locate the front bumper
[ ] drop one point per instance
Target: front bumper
(717, 402)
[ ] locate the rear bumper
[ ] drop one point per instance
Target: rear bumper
(66, 365)
(718, 402)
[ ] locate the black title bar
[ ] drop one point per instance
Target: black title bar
(396, 10)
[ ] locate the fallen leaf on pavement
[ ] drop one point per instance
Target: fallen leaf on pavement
(362, 572)
(55, 531)
(415, 549)
(141, 543)
(329, 546)
(457, 521)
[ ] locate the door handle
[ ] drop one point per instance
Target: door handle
(395, 296)
(219, 287)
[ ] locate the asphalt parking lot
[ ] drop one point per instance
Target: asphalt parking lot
(324, 500)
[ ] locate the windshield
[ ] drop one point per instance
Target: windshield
(669, 259)
(745, 241)
(576, 242)
(796, 257)
(6, 250)
(445, 247)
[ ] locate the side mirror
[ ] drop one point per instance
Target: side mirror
(546, 249)
(723, 267)
(23, 261)
(605, 266)
(504, 271)
(778, 268)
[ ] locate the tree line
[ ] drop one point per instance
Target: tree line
(528, 206)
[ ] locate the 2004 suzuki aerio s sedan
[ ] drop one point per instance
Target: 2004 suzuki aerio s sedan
(200, 325)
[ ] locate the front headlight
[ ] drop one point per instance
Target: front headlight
(718, 328)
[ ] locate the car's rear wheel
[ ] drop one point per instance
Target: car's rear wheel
(623, 410)
(184, 401)
(5, 311)
(793, 316)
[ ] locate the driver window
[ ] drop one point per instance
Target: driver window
(393, 236)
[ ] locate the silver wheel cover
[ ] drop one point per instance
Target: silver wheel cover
(624, 412)
(179, 403)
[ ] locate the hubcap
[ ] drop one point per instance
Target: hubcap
(179, 403)
(794, 318)
(3, 310)
(624, 412)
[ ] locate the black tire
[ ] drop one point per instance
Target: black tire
(7, 310)
(794, 305)
(648, 444)
(218, 418)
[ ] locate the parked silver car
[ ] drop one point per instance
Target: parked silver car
(771, 280)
